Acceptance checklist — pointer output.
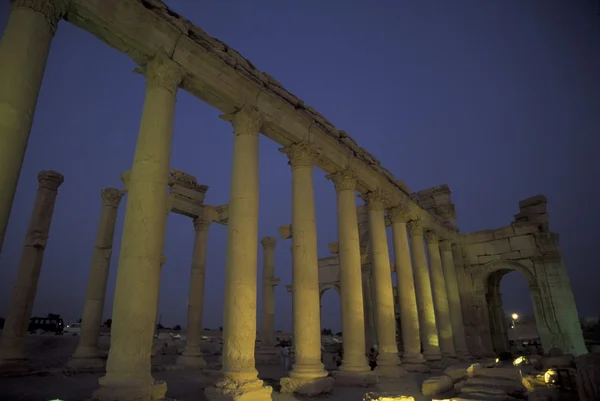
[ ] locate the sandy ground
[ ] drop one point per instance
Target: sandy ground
(50, 353)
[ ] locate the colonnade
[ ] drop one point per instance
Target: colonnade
(23, 52)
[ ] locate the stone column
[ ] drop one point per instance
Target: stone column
(370, 337)
(268, 294)
(307, 373)
(87, 354)
(388, 362)
(354, 369)
(128, 374)
(458, 327)
(12, 339)
(407, 298)
(23, 53)
(192, 354)
(440, 297)
(239, 312)
(427, 322)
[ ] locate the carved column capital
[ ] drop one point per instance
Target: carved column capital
(245, 121)
(200, 223)
(344, 180)
(430, 237)
(446, 245)
(164, 72)
(50, 180)
(376, 200)
(53, 10)
(415, 227)
(300, 154)
(111, 197)
(268, 242)
(399, 214)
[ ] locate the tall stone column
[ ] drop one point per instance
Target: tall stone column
(268, 292)
(427, 322)
(388, 362)
(354, 369)
(23, 53)
(307, 372)
(370, 336)
(407, 298)
(192, 354)
(239, 313)
(87, 354)
(128, 374)
(440, 297)
(458, 327)
(12, 339)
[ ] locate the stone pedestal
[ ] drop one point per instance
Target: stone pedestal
(407, 299)
(12, 339)
(87, 355)
(427, 323)
(23, 53)
(128, 375)
(354, 369)
(192, 355)
(239, 376)
(388, 362)
(458, 328)
(307, 375)
(440, 297)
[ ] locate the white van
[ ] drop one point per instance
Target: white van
(73, 329)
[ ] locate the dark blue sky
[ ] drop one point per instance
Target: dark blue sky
(499, 100)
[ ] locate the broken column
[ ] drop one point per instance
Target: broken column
(12, 340)
(308, 375)
(427, 322)
(240, 378)
(266, 353)
(388, 362)
(192, 353)
(24, 50)
(128, 375)
(87, 354)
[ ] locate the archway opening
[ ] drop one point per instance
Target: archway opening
(331, 326)
(512, 319)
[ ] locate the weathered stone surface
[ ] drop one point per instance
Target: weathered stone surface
(437, 385)
(522, 242)
(386, 397)
(497, 247)
(307, 387)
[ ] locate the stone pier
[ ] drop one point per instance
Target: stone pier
(87, 355)
(440, 297)
(427, 322)
(307, 375)
(354, 369)
(128, 375)
(412, 357)
(265, 352)
(23, 53)
(12, 340)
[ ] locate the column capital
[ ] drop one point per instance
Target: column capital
(375, 200)
(200, 223)
(344, 180)
(446, 245)
(111, 197)
(50, 180)
(415, 227)
(430, 237)
(53, 10)
(268, 242)
(300, 154)
(164, 72)
(399, 214)
(245, 121)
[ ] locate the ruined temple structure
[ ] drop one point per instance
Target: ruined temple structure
(448, 281)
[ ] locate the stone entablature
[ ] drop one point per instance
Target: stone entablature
(220, 76)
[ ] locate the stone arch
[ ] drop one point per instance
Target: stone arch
(323, 288)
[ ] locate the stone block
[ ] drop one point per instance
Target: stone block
(479, 236)
(522, 242)
(504, 232)
(477, 249)
(437, 385)
(523, 228)
(457, 372)
(308, 387)
(377, 396)
(514, 255)
(482, 260)
(540, 208)
(532, 201)
(497, 247)
(230, 390)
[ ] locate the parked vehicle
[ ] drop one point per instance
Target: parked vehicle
(72, 329)
(51, 324)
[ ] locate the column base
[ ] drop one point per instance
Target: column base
(231, 390)
(130, 390)
(13, 365)
(266, 355)
(355, 379)
(390, 371)
(306, 386)
(416, 364)
(432, 356)
(191, 360)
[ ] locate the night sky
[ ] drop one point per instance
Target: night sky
(499, 99)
